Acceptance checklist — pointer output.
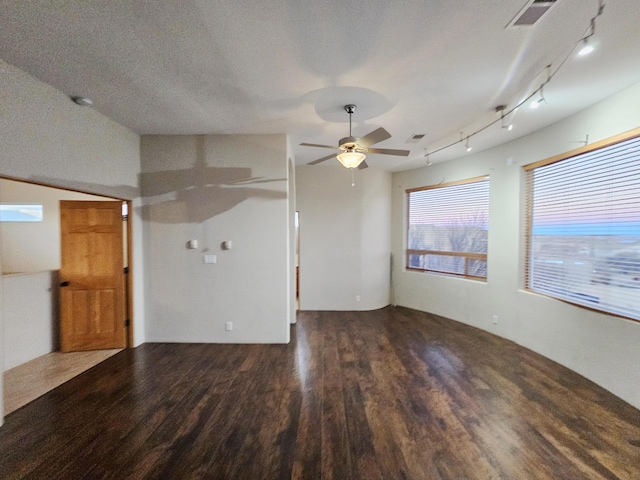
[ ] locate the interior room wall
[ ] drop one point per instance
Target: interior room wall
(292, 234)
(30, 311)
(48, 139)
(345, 240)
(212, 189)
(601, 347)
(34, 246)
(31, 258)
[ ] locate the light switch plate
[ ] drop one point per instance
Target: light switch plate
(209, 259)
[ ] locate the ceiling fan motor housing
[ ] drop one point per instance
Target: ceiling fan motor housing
(349, 143)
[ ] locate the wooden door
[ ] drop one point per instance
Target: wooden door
(92, 309)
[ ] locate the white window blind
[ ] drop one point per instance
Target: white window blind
(583, 227)
(448, 228)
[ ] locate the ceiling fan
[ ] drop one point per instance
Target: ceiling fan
(354, 148)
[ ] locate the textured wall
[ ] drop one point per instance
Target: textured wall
(216, 188)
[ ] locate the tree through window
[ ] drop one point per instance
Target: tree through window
(448, 228)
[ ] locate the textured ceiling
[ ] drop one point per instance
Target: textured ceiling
(434, 67)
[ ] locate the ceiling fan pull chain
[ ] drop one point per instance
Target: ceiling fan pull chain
(353, 178)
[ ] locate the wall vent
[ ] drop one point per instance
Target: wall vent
(531, 13)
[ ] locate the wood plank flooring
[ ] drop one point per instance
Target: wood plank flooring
(28, 381)
(390, 394)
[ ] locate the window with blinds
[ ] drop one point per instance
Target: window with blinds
(448, 228)
(583, 226)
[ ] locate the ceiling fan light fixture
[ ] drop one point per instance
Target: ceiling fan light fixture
(351, 159)
(352, 148)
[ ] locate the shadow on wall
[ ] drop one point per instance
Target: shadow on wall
(125, 192)
(196, 194)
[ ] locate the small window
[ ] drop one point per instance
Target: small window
(583, 227)
(20, 213)
(448, 228)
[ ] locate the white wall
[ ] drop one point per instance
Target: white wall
(603, 348)
(215, 188)
(49, 139)
(34, 246)
(30, 308)
(291, 178)
(46, 138)
(30, 314)
(345, 240)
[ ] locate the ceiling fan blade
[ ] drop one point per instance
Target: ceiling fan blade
(316, 145)
(387, 151)
(315, 162)
(374, 137)
(363, 165)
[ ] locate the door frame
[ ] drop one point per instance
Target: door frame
(128, 301)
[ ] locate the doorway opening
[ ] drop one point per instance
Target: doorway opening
(30, 260)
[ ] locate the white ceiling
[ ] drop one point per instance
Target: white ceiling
(434, 67)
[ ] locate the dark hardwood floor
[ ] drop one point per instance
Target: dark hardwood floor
(390, 394)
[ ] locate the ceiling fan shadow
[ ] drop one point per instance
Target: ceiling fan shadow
(199, 204)
(200, 192)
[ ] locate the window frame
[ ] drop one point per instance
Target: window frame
(467, 255)
(528, 207)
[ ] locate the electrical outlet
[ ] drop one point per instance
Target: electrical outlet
(495, 320)
(228, 326)
(357, 298)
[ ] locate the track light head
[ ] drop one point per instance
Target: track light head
(537, 103)
(428, 160)
(82, 101)
(540, 101)
(500, 109)
(586, 49)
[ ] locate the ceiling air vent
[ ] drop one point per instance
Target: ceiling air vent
(531, 13)
(416, 138)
